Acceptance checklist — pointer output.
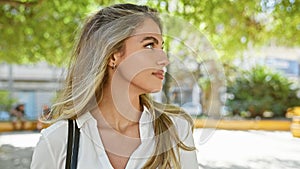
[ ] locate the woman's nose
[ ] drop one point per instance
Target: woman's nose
(163, 59)
(164, 62)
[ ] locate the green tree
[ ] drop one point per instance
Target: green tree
(6, 102)
(33, 30)
(37, 30)
(233, 26)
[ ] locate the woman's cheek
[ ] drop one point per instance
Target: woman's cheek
(140, 61)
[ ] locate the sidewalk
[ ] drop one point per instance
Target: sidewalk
(16, 149)
(225, 149)
(217, 149)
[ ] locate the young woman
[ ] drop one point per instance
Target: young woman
(117, 62)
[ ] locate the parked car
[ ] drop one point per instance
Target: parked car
(194, 109)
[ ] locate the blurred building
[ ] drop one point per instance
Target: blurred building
(282, 59)
(34, 85)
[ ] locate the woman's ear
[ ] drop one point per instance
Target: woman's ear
(115, 59)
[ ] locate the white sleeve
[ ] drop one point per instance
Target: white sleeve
(42, 157)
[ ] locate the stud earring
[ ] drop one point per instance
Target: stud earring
(113, 66)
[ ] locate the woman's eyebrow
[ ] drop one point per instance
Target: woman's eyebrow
(150, 38)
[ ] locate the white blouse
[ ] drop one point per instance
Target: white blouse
(50, 152)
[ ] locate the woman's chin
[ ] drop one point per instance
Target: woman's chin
(156, 90)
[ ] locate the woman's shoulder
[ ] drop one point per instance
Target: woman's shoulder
(52, 144)
(56, 131)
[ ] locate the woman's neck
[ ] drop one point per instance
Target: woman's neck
(120, 107)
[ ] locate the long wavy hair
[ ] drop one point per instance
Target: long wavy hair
(102, 35)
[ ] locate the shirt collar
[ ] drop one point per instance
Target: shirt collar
(83, 119)
(89, 125)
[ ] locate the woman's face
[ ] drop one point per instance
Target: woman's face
(142, 62)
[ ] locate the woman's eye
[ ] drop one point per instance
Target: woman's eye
(149, 46)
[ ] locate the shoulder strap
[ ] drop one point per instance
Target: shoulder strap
(73, 145)
(70, 142)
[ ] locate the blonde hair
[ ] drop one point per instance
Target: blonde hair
(104, 34)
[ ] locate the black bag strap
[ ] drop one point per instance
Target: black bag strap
(70, 142)
(73, 145)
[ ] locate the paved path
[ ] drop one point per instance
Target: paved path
(217, 149)
(16, 149)
(223, 149)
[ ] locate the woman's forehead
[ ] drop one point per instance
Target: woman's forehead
(148, 27)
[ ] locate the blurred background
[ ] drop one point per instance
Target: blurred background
(234, 68)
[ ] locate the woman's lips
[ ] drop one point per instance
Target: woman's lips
(159, 74)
